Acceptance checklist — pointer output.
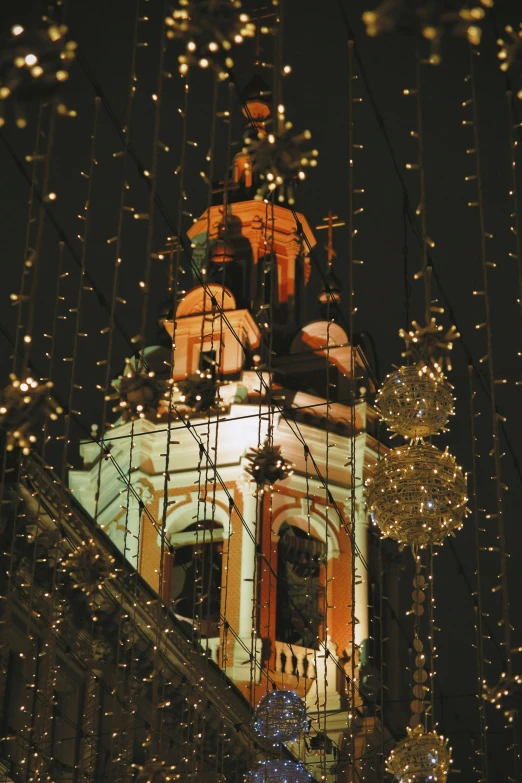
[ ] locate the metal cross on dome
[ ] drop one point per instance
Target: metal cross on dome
(330, 225)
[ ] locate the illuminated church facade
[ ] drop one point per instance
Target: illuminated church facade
(268, 575)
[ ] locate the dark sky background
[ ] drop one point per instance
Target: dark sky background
(315, 94)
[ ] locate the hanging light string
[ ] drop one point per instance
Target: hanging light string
(33, 261)
(6, 606)
(152, 177)
(30, 667)
(431, 634)
(422, 209)
(514, 194)
(84, 238)
(216, 373)
(481, 765)
(36, 158)
(124, 672)
(486, 266)
(489, 357)
(352, 76)
(110, 328)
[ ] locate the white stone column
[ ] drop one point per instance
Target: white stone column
(361, 556)
(248, 593)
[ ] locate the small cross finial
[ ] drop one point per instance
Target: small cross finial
(330, 225)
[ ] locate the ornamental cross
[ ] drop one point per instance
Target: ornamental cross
(330, 225)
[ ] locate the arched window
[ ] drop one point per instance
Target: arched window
(300, 602)
(195, 580)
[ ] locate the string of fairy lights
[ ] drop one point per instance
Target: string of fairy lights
(27, 405)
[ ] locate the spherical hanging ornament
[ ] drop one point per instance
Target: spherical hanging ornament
(417, 495)
(415, 402)
(279, 772)
(280, 716)
(33, 66)
(280, 160)
(209, 29)
(25, 407)
(267, 465)
(420, 757)
(506, 696)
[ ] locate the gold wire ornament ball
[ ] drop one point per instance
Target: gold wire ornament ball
(415, 402)
(280, 716)
(420, 757)
(417, 495)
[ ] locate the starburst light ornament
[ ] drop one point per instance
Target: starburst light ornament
(209, 29)
(33, 65)
(427, 346)
(280, 771)
(267, 465)
(25, 406)
(90, 569)
(139, 393)
(280, 716)
(280, 160)
(199, 392)
(428, 19)
(417, 495)
(421, 757)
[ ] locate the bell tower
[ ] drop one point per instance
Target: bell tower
(242, 514)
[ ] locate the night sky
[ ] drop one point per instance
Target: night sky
(386, 295)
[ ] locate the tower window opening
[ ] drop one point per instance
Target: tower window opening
(299, 587)
(195, 585)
